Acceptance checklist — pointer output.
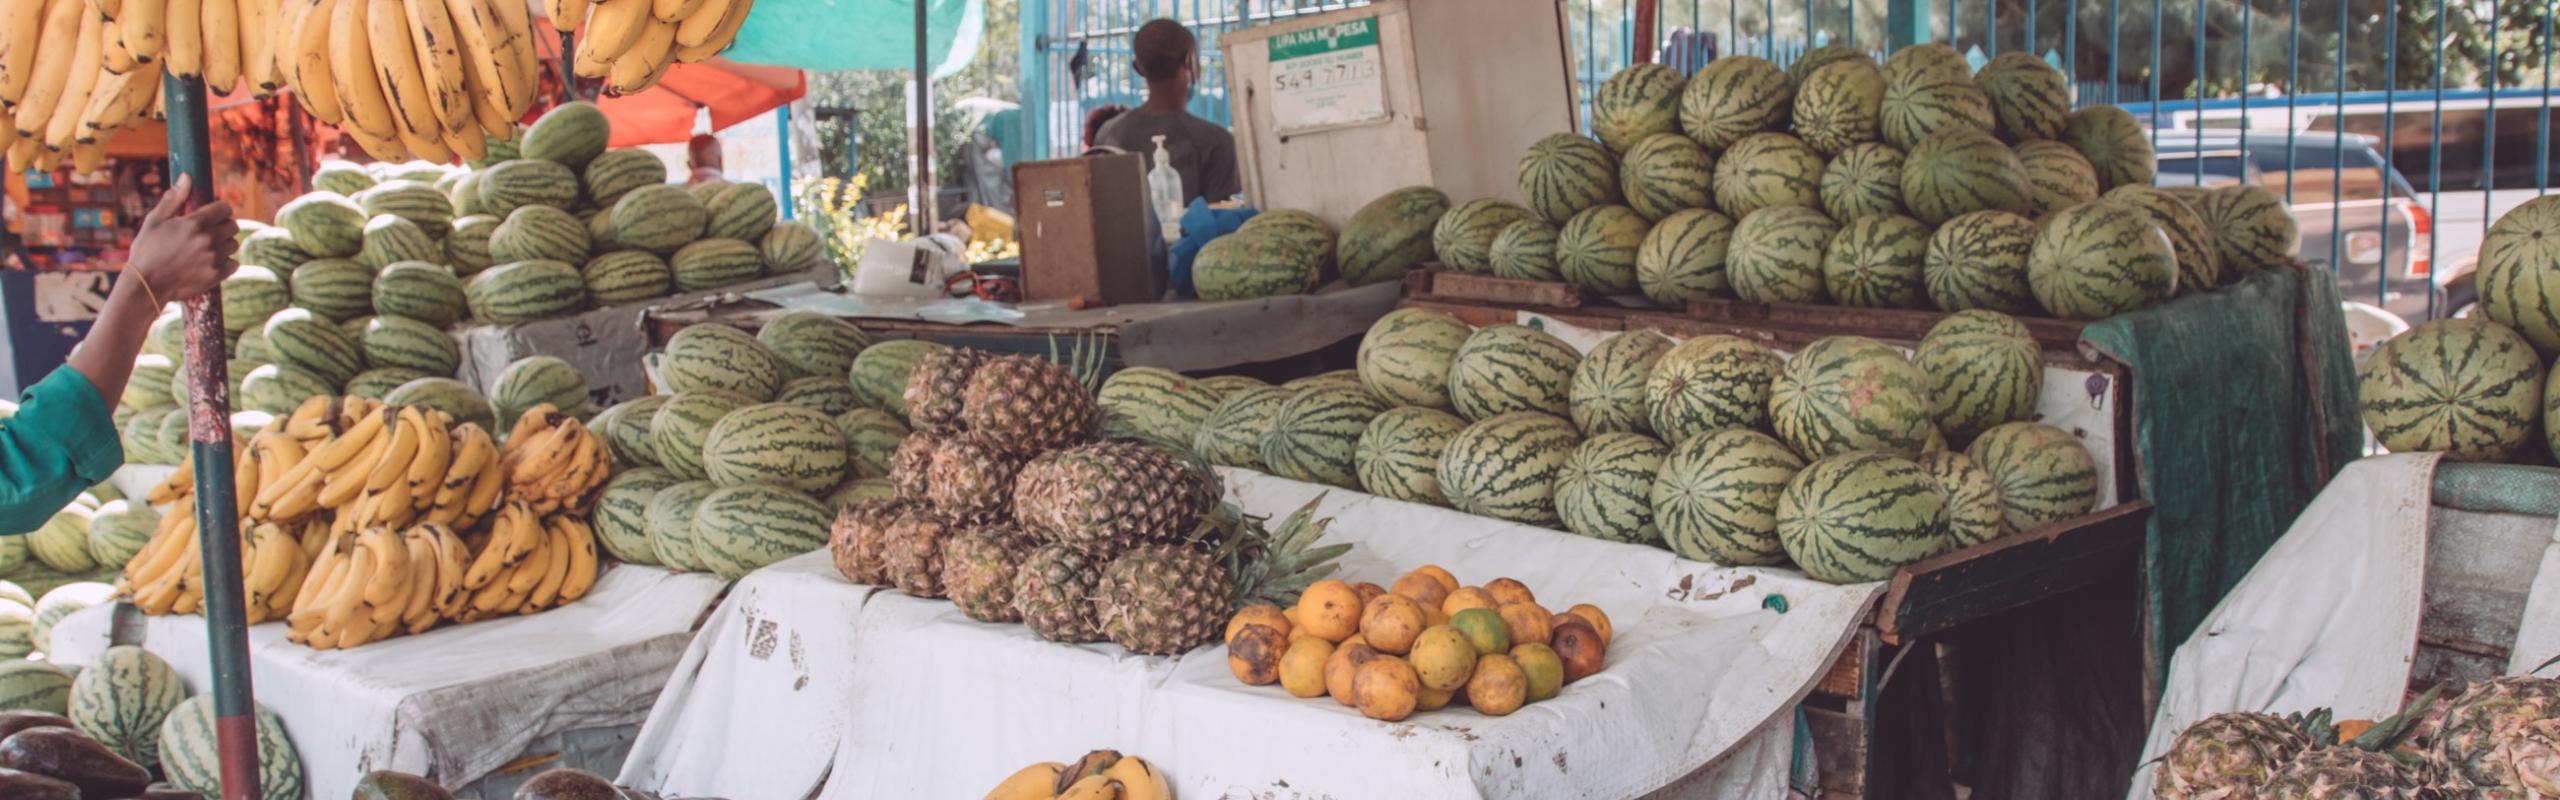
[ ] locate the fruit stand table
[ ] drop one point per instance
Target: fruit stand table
(803, 684)
(605, 344)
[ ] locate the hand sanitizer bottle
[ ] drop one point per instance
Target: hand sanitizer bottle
(1164, 190)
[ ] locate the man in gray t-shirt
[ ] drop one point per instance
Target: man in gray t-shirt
(1204, 154)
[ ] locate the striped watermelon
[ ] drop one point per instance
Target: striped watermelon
(1708, 384)
(860, 490)
(539, 380)
(119, 531)
(17, 633)
(173, 440)
(467, 247)
(1776, 255)
(1959, 171)
(168, 337)
(377, 383)
(121, 701)
(539, 233)
(2469, 386)
(1398, 456)
(570, 134)
(34, 686)
(464, 193)
(1605, 488)
(63, 601)
(1404, 359)
(791, 246)
(677, 432)
(341, 177)
(1863, 180)
(390, 341)
(1929, 90)
(1341, 378)
(1463, 239)
(1390, 234)
(2043, 472)
(830, 396)
(525, 290)
(2519, 273)
(626, 276)
(670, 522)
(1526, 251)
(1979, 260)
(1665, 173)
(1232, 435)
(1877, 262)
(1803, 66)
(251, 348)
(1639, 101)
(1840, 105)
(2100, 259)
(1984, 369)
(1304, 227)
(613, 173)
(1767, 170)
(713, 263)
(449, 396)
(1504, 466)
(272, 248)
(880, 372)
(1597, 248)
(63, 541)
(713, 356)
(1734, 97)
(527, 182)
(2029, 98)
(333, 287)
(2057, 177)
(191, 755)
(389, 239)
(1974, 511)
(419, 290)
(1505, 368)
(1315, 434)
(2115, 144)
(2254, 228)
(1845, 393)
(325, 224)
(2199, 255)
(1683, 257)
(743, 211)
(870, 436)
(315, 345)
(1244, 266)
(1227, 384)
(626, 427)
(658, 218)
(1858, 516)
(622, 513)
(276, 389)
(12, 592)
(740, 529)
(251, 295)
(1565, 173)
(1715, 498)
(1160, 403)
(152, 374)
(1607, 393)
(777, 444)
(812, 344)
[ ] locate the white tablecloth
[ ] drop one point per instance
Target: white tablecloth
(454, 703)
(803, 683)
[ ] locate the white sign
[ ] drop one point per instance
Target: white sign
(1328, 76)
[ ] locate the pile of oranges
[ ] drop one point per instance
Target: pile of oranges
(1419, 644)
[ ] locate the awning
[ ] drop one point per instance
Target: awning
(859, 34)
(733, 92)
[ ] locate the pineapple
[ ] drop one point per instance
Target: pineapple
(1053, 590)
(2503, 735)
(911, 465)
(938, 388)
(2347, 773)
(2227, 757)
(1164, 599)
(914, 553)
(971, 480)
(1107, 497)
(1028, 405)
(859, 538)
(978, 571)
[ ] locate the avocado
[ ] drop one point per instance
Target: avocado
(568, 784)
(17, 785)
(66, 754)
(388, 785)
(15, 721)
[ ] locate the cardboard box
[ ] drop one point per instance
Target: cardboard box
(1083, 223)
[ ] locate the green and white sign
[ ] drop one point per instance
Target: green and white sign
(1328, 77)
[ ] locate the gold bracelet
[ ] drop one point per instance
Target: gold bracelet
(146, 288)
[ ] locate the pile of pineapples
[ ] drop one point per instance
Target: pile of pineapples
(2499, 739)
(1020, 500)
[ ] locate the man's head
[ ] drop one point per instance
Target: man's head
(1166, 53)
(702, 151)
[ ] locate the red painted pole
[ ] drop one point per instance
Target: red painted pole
(1645, 36)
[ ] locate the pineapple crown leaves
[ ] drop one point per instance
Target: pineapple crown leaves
(2391, 731)
(1275, 566)
(1084, 357)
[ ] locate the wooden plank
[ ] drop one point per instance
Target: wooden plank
(1839, 752)
(1505, 291)
(1905, 325)
(1846, 678)
(1969, 584)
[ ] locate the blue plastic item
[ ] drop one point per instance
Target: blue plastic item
(1200, 223)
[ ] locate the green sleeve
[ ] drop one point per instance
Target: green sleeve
(61, 441)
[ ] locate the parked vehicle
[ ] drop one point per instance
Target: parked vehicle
(2356, 213)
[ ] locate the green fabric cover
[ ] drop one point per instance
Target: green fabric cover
(869, 34)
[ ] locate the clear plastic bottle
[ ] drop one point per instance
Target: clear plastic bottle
(1164, 191)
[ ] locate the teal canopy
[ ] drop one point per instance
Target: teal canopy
(859, 34)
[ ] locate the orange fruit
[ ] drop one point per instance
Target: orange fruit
(1528, 622)
(1498, 687)
(1385, 688)
(1444, 658)
(1330, 610)
(1302, 667)
(1267, 615)
(1599, 620)
(1507, 590)
(1466, 598)
(1253, 654)
(1579, 646)
(1545, 669)
(1390, 622)
(1368, 590)
(1339, 666)
(1424, 589)
(1447, 581)
(1484, 629)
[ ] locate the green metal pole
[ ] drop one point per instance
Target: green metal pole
(209, 424)
(1906, 22)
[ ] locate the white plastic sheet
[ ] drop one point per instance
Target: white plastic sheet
(802, 683)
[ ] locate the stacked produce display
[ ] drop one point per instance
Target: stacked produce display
(2492, 739)
(123, 723)
(2479, 387)
(1099, 775)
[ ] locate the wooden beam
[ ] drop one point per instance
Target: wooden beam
(1969, 584)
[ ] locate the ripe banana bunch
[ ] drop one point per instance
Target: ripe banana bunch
(371, 465)
(630, 44)
(167, 576)
(422, 79)
(68, 80)
(376, 584)
(1099, 775)
(530, 563)
(553, 462)
(180, 486)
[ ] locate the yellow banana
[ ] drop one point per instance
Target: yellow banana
(612, 27)
(106, 9)
(348, 446)
(145, 25)
(450, 566)
(438, 50)
(421, 611)
(427, 468)
(185, 48)
(351, 70)
(395, 65)
(63, 128)
(390, 583)
(565, 15)
(59, 43)
(18, 43)
(484, 37)
(341, 486)
(1035, 782)
(221, 28)
(519, 84)
(695, 28)
(407, 436)
(303, 49)
(177, 483)
(383, 148)
(673, 11)
(492, 558)
(309, 421)
(112, 54)
(141, 85)
(555, 571)
(583, 565)
(473, 452)
(269, 560)
(638, 65)
(280, 602)
(716, 39)
(245, 477)
(327, 568)
(258, 61)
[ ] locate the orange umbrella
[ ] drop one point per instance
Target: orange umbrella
(734, 92)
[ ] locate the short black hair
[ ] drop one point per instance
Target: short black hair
(1162, 48)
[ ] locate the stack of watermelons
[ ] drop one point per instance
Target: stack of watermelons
(108, 729)
(2480, 387)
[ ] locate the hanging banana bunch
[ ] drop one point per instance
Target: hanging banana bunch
(629, 44)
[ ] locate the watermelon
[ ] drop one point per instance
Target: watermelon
(391, 341)
(377, 383)
(315, 345)
(152, 374)
(1859, 516)
(713, 356)
(1974, 511)
(2029, 98)
(12, 592)
(1776, 255)
(1160, 403)
(1734, 97)
(830, 396)
(2199, 255)
(1639, 101)
(2519, 273)
(276, 388)
(1224, 384)
(389, 239)
(1665, 173)
(670, 523)
(528, 182)
(812, 344)
(1463, 239)
(2469, 387)
(612, 173)
(1405, 357)
(740, 529)
(419, 290)
(190, 752)
(168, 337)
(1984, 369)
(449, 396)
(2115, 144)
(1845, 393)
(713, 263)
(249, 296)
(1863, 180)
(1715, 497)
(251, 348)
(571, 135)
(622, 509)
(743, 211)
(464, 193)
(626, 427)
(122, 699)
(1928, 90)
(539, 233)
(659, 219)
(1504, 466)
(1564, 173)
(1305, 228)
(1390, 235)
(1960, 171)
(17, 633)
(324, 224)
(1710, 383)
(536, 381)
(1840, 105)
(626, 276)
(776, 444)
(792, 246)
(1232, 435)
(1877, 262)
(1525, 251)
(678, 432)
(341, 177)
(1506, 368)
(116, 533)
(880, 372)
(2057, 177)
(1767, 170)
(1804, 64)
(467, 247)
(274, 249)
(139, 437)
(2254, 228)
(1604, 490)
(1683, 257)
(1398, 456)
(2043, 473)
(1597, 248)
(525, 290)
(2100, 259)
(1243, 266)
(1979, 260)
(63, 541)
(336, 288)
(34, 686)
(870, 436)
(173, 440)
(1315, 434)
(860, 490)
(1608, 390)
(63, 601)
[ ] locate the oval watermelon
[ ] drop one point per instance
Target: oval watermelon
(1708, 384)
(2100, 259)
(1767, 170)
(1776, 255)
(1734, 97)
(1608, 390)
(1715, 497)
(1845, 393)
(1505, 368)
(1859, 516)
(1605, 488)
(1405, 357)
(1504, 466)
(1399, 454)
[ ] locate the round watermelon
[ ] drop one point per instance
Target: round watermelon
(121, 700)
(1877, 262)
(1639, 101)
(1708, 384)
(2097, 260)
(871, 436)
(1859, 516)
(1605, 488)
(1564, 173)
(1974, 511)
(2199, 255)
(1984, 369)
(1734, 97)
(679, 430)
(1928, 90)
(1405, 357)
(2254, 228)
(1979, 260)
(1399, 453)
(1504, 466)
(670, 522)
(1390, 234)
(1525, 251)
(1839, 105)
(778, 444)
(1607, 394)
(1683, 257)
(1463, 239)
(2057, 177)
(1243, 266)
(1159, 403)
(1596, 249)
(713, 356)
(1506, 368)
(1845, 393)
(1863, 180)
(2519, 274)
(1802, 68)
(880, 372)
(1715, 498)
(2115, 144)
(1666, 173)
(1315, 435)
(2029, 98)
(1959, 171)
(2044, 474)
(1776, 255)
(1767, 170)
(2470, 387)
(1232, 435)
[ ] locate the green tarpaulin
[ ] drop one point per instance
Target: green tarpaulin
(859, 34)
